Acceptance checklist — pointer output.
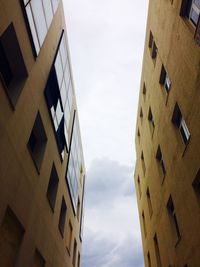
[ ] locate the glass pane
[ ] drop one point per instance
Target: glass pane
(55, 5)
(197, 2)
(48, 11)
(70, 95)
(32, 27)
(63, 92)
(194, 16)
(63, 51)
(25, 2)
(59, 71)
(67, 114)
(67, 74)
(55, 123)
(66, 135)
(59, 113)
(38, 15)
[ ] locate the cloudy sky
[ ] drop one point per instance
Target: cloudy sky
(106, 40)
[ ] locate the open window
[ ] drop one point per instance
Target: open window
(37, 142)
(13, 71)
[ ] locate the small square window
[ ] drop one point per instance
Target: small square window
(196, 183)
(52, 187)
(141, 113)
(12, 67)
(151, 120)
(37, 142)
(62, 217)
(159, 157)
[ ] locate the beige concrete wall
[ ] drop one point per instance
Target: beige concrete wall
(21, 187)
(174, 37)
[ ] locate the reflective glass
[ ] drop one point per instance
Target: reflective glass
(70, 95)
(32, 27)
(48, 11)
(66, 134)
(63, 52)
(63, 92)
(38, 15)
(67, 114)
(59, 113)
(194, 16)
(25, 2)
(55, 122)
(67, 74)
(197, 2)
(59, 71)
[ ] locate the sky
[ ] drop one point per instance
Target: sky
(106, 42)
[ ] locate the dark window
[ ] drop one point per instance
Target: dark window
(157, 251)
(149, 259)
(180, 123)
(144, 90)
(144, 224)
(196, 183)
(62, 217)
(52, 187)
(37, 142)
(12, 67)
(38, 260)
(191, 10)
(149, 203)
(143, 163)
(79, 260)
(159, 157)
(139, 186)
(69, 238)
(164, 79)
(173, 218)
(151, 120)
(11, 235)
(141, 113)
(138, 134)
(152, 46)
(74, 253)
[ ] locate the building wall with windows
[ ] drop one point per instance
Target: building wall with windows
(167, 137)
(42, 173)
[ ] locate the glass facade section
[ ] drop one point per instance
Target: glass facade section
(74, 164)
(59, 95)
(39, 15)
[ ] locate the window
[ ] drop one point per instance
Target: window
(59, 96)
(180, 123)
(144, 224)
(164, 79)
(74, 253)
(12, 67)
(141, 113)
(78, 209)
(139, 186)
(38, 260)
(143, 163)
(79, 260)
(173, 218)
(52, 187)
(37, 142)
(191, 10)
(151, 121)
(159, 157)
(11, 235)
(157, 251)
(69, 238)
(138, 134)
(149, 203)
(196, 183)
(152, 46)
(62, 217)
(149, 259)
(144, 90)
(74, 164)
(39, 15)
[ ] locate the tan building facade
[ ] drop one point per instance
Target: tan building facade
(42, 171)
(167, 173)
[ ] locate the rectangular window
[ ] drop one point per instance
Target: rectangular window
(52, 187)
(180, 123)
(37, 142)
(144, 90)
(79, 260)
(38, 260)
(74, 253)
(138, 134)
(69, 243)
(13, 71)
(151, 121)
(149, 203)
(143, 163)
(39, 15)
(59, 96)
(141, 113)
(152, 46)
(173, 219)
(196, 183)
(144, 224)
(159, 157)
(74, 164)
(157, 251)
(11, 235)
(78, 209)
(62, 217)
(149, 259)
(139, 187)
(165, 80)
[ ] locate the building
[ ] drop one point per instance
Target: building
(42, 171)
(167, 173)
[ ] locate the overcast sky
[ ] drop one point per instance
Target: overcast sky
(106, 41)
